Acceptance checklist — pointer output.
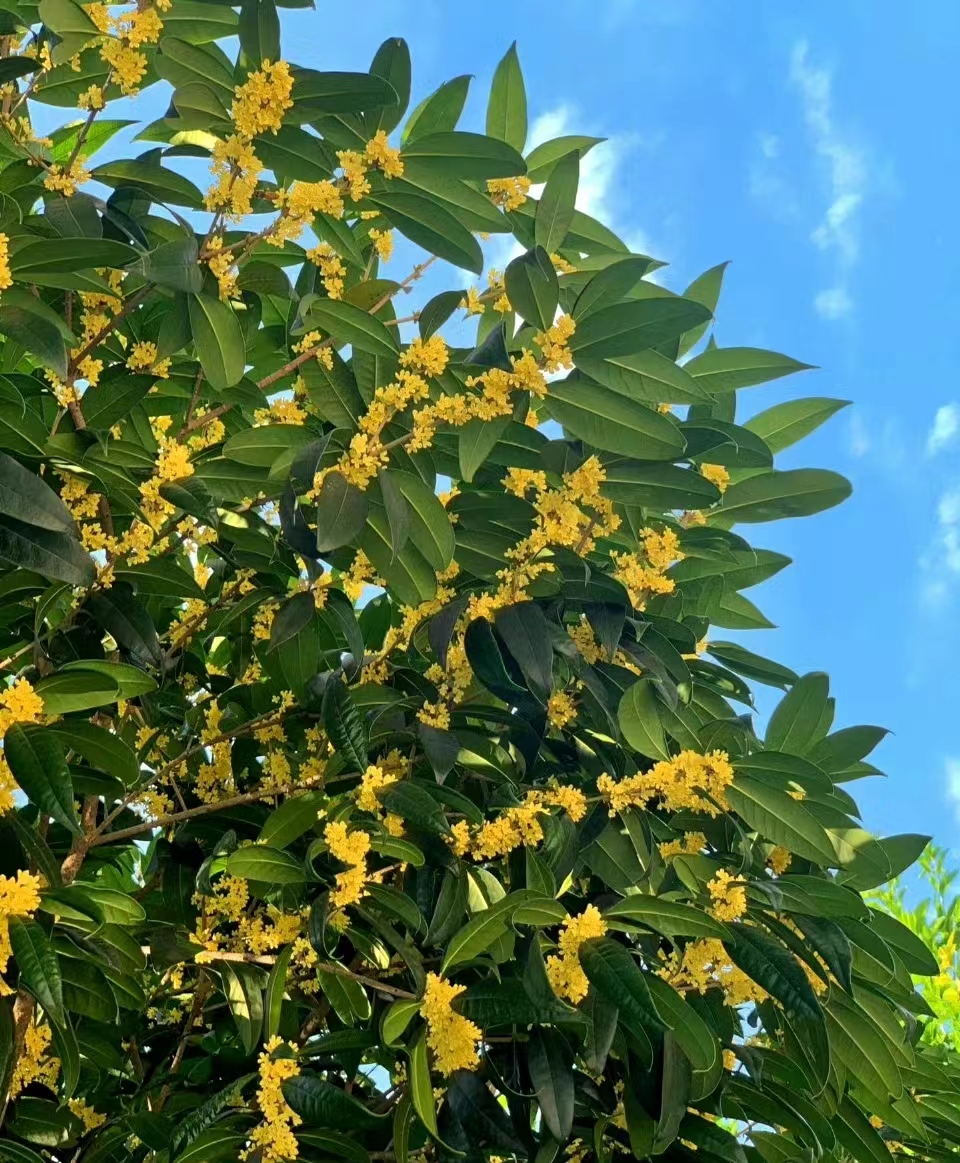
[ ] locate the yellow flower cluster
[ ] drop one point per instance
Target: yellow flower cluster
(509, 193)
(281, 411)
(350, 848)
(704, 964)
(779, 860)
(728, 897)
(564, 971)
(90, 1118)
(299, 205)
(35, 1064)
(688, 845)
(522, 824)
(453, 1038)
(561, 709)
(19, 703)
(382, 243)
(261, 101)
(642, 580)
(688, 781)
(6, 278)
(19, 897)
(716, 474)
(273, 1139)
(553, 343)
(585, 640)
(332, 270)
(143, 357)
(571, 516)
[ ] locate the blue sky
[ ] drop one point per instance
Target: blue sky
(813, 144)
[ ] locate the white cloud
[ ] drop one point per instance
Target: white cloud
(598, 174)
(952, 768)
(940, 564)
(838, 232)
(833, 303)
(946, 425)
(860, 442)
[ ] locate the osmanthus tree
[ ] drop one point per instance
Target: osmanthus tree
(486, 861)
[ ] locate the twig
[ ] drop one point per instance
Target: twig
(250, 797)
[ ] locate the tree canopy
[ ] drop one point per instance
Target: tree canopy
(377, 780)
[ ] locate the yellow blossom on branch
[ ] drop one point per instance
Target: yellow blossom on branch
(453, 1039)
(564, 971)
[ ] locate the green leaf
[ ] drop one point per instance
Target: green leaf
(172, 264)
(36, 760)
(857, 1136)
(30, 499)
(421, 1088)
(610, 421)
(658, 486)
(219, 340)
(160, 184)
(344, 724)
(70, 254)
(706, 290)
(527, 635)
(349, 324)
(671, 918)
(391, 62)
(322, 1104)
(217, 1144)
(342, 511)
(751, 665)
(396, 1018)
(612, 969)
(507, 107)
(780, 818)
(640, 722)
(552, 1078)
(129, 680)
(542, 158)
(430, 528)
(438, 112)
(798, 492)
(114, 397)
(479, 933)
(241, 988)
(317, 93)
(610, 285)
(273, 994)
(784, 424)
(422, 217)
(38, 965)
(118, 612)
(725, 369)
(557, 204)
(795, 719)
(101, 748)
(268, 865)
(775, 970)
(291, 819)
(478, 438)
(259, 31)
(532, 287)
(76, 691)
(862, 1047)
(692, 1033)
(636, 325)
(465, 155)
(57, 556)
(28, 321)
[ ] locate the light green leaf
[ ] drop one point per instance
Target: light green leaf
(218, 339)
(639, 720)
(507, 107)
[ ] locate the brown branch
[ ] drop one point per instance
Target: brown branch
(302, 358)
(251, 797)
(133, 302)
